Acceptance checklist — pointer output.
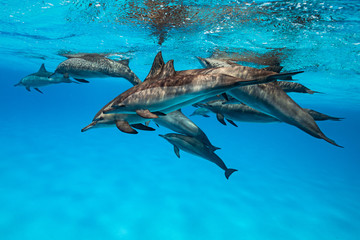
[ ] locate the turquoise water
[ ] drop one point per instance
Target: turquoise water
(59, 183)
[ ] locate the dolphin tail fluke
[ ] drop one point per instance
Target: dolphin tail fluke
(330, 141)
(213, 148)
(228, 172)
(81, 80)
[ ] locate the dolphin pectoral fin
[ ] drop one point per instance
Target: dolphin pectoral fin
(28, 88)
(317, 116)
(228, 172)
(225, 96)
(146, 113)
(205, 115)
(177, 151)
(142, 127)
(125, 127)
(221, 118)
(38, 90)
(81, 80)
(157, 125)
(232, 122)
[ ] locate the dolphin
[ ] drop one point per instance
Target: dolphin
(285, 85)
(168, 91)
(92, 65)
(243, 113)
(196, 147)
(178, 122)
(269, 98)
(42, 78)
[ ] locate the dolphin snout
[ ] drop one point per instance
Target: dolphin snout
(161, 135)
(88, 127)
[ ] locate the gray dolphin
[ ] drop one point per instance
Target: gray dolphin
(172, 91)
(42, 78)
(92, 65)
(285, 85)
(178, 122)
(243, 113)
(270, 99)
(196, 147)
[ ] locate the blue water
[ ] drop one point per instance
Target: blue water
(59, 183)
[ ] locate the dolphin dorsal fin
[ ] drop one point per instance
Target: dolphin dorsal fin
(156, 67)
(124, 61)
(42, 68)
(168, 70)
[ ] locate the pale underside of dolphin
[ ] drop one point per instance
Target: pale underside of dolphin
(171, 91)
(81, 66)
(270, 99)
(196, 147)
(42, 78)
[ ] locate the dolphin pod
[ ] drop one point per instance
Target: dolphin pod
(231, 91)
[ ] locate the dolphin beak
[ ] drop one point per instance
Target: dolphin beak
(88, 127)
(162, 136)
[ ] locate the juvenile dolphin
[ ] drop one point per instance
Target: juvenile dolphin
(270, 99)
(172, 91)
(196, 147)
(178, 122)
(92, 65)
(243, 113)
(42, 78)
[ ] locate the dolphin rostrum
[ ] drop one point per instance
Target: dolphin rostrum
(270, 99)
(196, 147)
(178, 122)
(92, 65)
(169, 91)
(42, 78)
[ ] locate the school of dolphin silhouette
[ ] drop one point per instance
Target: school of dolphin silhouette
(233, 92)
